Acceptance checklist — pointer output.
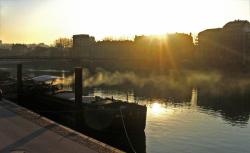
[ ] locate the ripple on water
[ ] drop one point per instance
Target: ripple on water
(194, 129)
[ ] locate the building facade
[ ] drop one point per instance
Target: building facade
(19, 49)
(226, 46)
(82, 46)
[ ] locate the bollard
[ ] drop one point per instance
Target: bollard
(19, 82)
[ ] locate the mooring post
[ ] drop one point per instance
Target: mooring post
(127, 97)
(78, 86)
(78, 96)
(19, 82)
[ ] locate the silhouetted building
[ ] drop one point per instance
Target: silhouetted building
(19, 49)
(229, 45)
(4, 52)
(82, 46)
(171, 50)
(113, 50)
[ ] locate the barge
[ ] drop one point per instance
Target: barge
(94, 112)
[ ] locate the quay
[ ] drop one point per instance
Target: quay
(23, 131)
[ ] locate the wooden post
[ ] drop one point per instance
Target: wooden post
(19, 82)
(78, 86)
(127, 96)
(78, 96)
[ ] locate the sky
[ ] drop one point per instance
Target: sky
(37, 21)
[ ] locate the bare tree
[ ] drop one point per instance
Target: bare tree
(63, 42)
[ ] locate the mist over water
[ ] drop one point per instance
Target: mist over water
(213, 82)
(172, 79)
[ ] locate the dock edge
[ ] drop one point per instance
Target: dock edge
(59, 129)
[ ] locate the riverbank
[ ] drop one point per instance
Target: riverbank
(26, 131)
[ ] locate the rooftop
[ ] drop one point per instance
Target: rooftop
(81, 36)
(237, 25)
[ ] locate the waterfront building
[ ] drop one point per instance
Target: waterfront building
(19, 49)
(229, 45)
(82, 46)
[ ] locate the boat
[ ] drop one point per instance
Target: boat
(95, 113)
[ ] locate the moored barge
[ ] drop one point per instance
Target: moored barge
(95, 113)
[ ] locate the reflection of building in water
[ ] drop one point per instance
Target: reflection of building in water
(194, 97)
(227, 45)
(82, 45)
(233, 105)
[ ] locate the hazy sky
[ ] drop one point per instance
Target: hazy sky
(34, 21)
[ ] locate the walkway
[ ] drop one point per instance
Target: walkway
(22, 131)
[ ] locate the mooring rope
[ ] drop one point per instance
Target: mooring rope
(126, 133)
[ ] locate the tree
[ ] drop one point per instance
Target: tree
(63, 43)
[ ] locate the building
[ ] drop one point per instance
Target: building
(4, 50)
(226, 46)
(82, 46)
(19, 49)
(171, 49)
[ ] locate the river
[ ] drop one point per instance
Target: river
(188, 111)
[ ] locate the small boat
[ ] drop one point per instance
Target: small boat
(95, 113)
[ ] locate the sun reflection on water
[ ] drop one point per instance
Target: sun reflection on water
(157, 108)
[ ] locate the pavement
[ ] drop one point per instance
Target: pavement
(23, 131)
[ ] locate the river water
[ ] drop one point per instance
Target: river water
(191, 112)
